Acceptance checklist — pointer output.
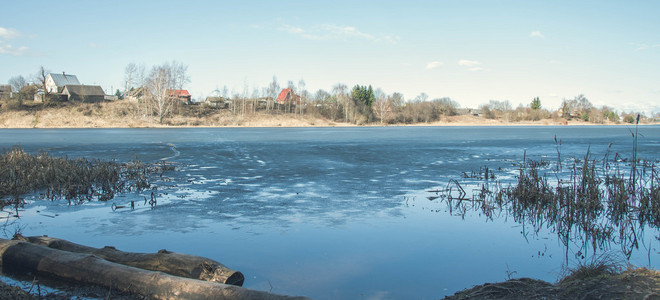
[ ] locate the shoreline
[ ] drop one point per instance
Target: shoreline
(122, 115)
(342, 125)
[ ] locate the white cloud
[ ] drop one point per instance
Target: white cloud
(433, 65)
(392, 38)
(468, 63)
(291, 29)
(346, 31)
(536, 34)
(334, 32)
(477, 69)
(93, 45)
(6, 48)
(642, 47)
(9, 49)
(8, 33)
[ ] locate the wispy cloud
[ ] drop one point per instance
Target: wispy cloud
(292, 29)
(8, 33)
(5, 47)
(477, 69)
(642, 47)
(536, 34)
(345, 31)
(334, 32)
(468, 63)
(93, 45)
(11, 50)
(472, 65)
(433, 65)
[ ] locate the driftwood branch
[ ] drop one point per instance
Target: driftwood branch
(23, 257)
(184, 265)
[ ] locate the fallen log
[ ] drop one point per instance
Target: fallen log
(23, 257)
(184, 265)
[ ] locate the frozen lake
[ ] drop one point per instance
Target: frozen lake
(329, 213)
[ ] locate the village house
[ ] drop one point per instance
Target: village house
(288, 96)
(83, 93)
(219, 102)
(5, 91)
(182, 95)
(135, 94)
(55, 82)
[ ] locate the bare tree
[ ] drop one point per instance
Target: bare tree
(40, 78)
(340, 92)
(292, 86)
(130, 74)
(302, 93)
(17, 82)
(255, 99)
(179, 78)
(383, 106)
(225, 92)
(161, 80)
(397, 100)
(273, 90)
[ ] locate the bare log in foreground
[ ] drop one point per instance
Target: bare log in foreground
(184, 265)
(21, 257)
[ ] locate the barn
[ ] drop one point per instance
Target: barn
(5, 91)
(83, 93)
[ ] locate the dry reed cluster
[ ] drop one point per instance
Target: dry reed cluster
(591, 204)
(76, 180)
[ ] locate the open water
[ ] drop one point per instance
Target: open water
(329, 213)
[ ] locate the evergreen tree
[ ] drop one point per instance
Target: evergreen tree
(536, 103)
(363, 95)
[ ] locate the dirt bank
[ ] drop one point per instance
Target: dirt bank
(639, 283)
(123, 114)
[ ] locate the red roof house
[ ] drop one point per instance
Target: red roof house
(182, 95)
(288, 96)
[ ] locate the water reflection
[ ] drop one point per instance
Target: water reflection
(285, 205)
(589, 204)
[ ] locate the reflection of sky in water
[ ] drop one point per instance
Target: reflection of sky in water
(328, 213)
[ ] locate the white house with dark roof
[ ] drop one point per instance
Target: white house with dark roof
(55, 82)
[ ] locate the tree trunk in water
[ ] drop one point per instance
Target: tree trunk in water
(184, 265)
(19, 256)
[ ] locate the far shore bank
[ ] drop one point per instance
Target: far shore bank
(115, 115)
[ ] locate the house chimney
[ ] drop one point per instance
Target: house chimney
(63, 73)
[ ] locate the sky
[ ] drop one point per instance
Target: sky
(470, 51)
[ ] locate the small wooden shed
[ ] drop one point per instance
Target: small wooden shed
(5, 91)
(83, 93)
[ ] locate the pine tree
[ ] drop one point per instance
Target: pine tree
(536, 103)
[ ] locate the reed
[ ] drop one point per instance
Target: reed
(76, 180)
(590, 205)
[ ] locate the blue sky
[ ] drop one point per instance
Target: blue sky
(471, 51)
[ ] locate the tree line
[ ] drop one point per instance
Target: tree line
(150, 88)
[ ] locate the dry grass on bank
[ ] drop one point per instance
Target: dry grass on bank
(123, 114)
(585, 282)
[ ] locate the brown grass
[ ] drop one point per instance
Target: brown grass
(77, 180)
(124, 114)
(601, 281)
